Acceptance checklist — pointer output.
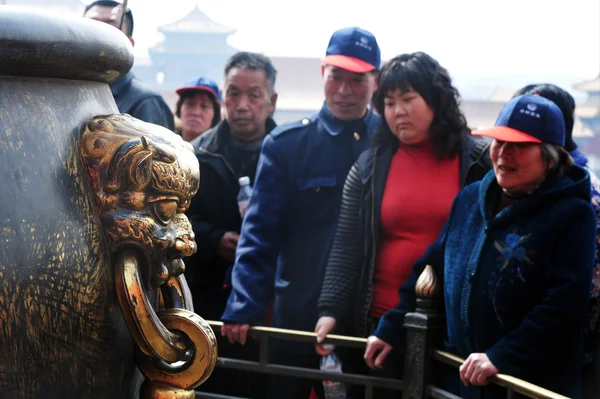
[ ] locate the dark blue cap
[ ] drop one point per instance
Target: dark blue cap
(201, 84)
(528, 119)
(353, 49)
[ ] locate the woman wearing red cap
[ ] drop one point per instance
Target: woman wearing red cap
(198, 107)
(515, 259)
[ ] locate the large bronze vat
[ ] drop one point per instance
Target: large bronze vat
(92, 229)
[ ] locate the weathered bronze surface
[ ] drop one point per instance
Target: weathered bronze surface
(33, 44)
(143, 178)
(424, 330)
(62, 332)
(428, 285)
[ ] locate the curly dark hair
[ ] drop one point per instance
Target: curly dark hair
(421, 73)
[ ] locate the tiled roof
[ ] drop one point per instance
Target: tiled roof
(196, 21)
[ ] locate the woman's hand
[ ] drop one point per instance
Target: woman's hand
(477, 370)
(375, 346)
(324, 326)
(235, 332)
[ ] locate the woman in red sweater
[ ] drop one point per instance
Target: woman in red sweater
(397, 195)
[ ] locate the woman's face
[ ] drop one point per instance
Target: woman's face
(408, 116)
(197, 113)
(519, 167)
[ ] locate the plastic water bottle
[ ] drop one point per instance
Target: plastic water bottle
(244, 195)
(333, 389)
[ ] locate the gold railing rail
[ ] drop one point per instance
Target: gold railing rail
(297, 335)
(506, 381)
(511, 383)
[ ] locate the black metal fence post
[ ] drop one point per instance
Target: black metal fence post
(424, 330)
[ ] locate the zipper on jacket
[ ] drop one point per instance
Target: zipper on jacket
(373, 250)
(222, 158)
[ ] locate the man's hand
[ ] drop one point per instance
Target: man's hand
(235, 332)
(477, 370)
(227, 245)
(324, 326)
(374, 346)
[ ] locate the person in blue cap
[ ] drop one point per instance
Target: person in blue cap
(198, 107)
(130, 94)
(291, 218)
(591, 337)
(515, 260)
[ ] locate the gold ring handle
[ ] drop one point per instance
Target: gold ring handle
(149, 333)
(197, 368)
(176, 294)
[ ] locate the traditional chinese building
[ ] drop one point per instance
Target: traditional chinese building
(194, 45)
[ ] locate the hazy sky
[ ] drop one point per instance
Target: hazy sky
(477, 38)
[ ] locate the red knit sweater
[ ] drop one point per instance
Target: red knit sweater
(416, 202)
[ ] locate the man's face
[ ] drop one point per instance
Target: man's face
(247, 103)
(348, 94)
(108, 15)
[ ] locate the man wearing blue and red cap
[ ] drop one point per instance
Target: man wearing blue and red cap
(290, 223)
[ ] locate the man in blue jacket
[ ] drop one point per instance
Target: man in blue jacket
(291, 219)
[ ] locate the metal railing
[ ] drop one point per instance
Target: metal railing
(263, 365)
(513, 385)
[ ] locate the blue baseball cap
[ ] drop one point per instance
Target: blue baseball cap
(353, 49)
(528, 119)
(201, 84)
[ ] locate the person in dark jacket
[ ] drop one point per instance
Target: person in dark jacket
(225, 153)
(397, 195)
(515, 260)
(566, 103)
(130, 95)
(289, 227)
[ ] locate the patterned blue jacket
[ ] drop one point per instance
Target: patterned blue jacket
(516, 283)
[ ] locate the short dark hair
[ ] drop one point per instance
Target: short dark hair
(423, 74)
(189, 94)
(562, 99)
(255, 61)
(110, 3)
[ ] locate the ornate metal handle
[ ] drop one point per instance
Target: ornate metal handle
(149, 333)
(143, 178)
(177, 348)
(198, 362)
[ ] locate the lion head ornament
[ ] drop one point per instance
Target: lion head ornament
(143, 177)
